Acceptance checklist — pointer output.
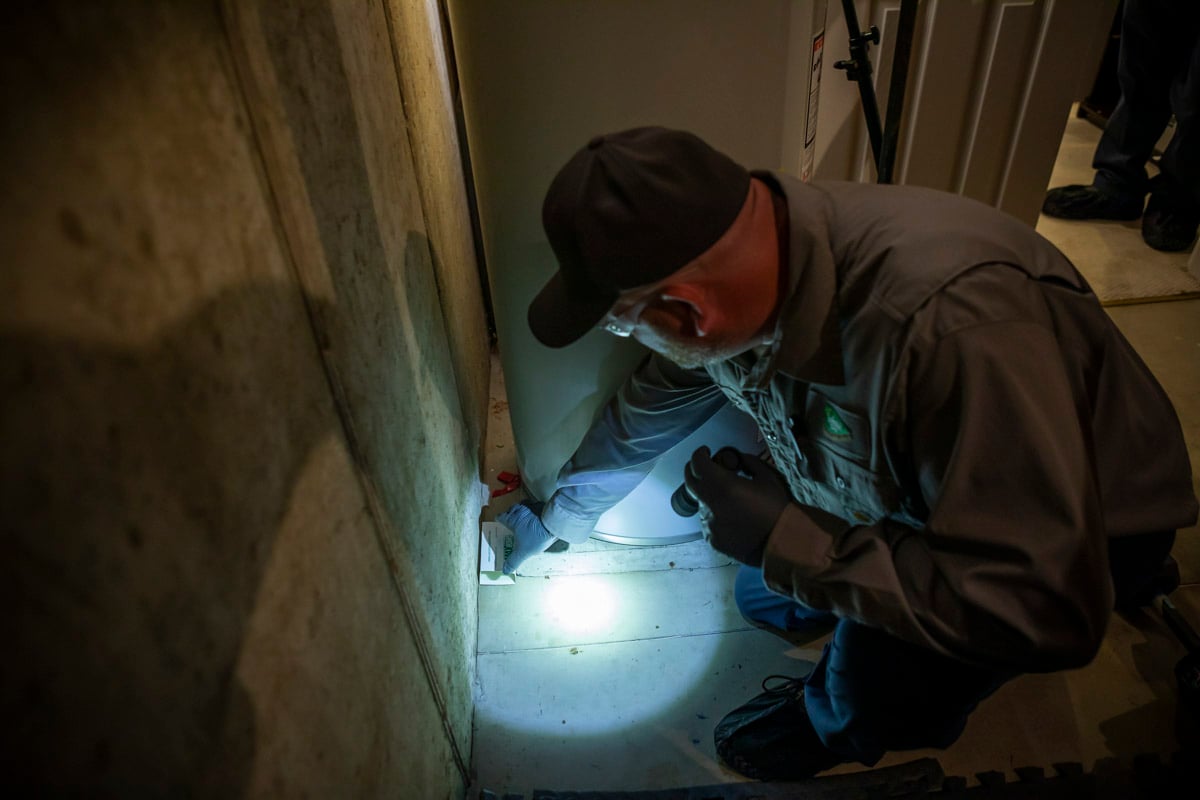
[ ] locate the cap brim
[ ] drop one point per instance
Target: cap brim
(557, 319)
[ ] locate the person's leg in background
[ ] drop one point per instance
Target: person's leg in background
(1148, 62)
(1154, 53)
(1173, 213)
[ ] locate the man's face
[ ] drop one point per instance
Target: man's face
(686, 319)
(715, 307)
(691, 353)
(670, 326)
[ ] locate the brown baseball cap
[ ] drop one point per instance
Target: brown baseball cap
(627, 210)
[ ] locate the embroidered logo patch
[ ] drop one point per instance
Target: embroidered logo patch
(835, 426)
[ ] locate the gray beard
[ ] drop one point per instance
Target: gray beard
(692, 357)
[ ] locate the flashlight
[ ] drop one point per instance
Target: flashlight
(686, 504)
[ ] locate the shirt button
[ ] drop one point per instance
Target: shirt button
(840, 481)
(771, 437)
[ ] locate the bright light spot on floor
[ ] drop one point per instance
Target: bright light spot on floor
(602, 659)
(582, 604)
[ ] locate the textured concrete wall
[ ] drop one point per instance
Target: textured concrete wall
(428, 106)
(240, 371)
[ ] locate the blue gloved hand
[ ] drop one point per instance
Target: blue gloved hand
(530, 536)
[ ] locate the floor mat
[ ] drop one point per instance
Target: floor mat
(1120, 267)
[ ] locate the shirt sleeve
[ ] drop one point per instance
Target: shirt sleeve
(658, 407)
(1011, 568)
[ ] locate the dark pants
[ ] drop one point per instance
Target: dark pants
(1158, 68)
(871, 692)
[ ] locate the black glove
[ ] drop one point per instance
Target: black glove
(741, 498)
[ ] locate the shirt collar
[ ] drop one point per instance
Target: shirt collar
(807, 343)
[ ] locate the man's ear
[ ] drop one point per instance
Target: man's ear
(686, 303)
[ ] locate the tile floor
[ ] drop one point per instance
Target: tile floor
(608, 666)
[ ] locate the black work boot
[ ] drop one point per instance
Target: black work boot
(771, 737)
(1172, 216)
(1090, 202)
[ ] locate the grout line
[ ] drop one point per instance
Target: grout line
(559, 574)
(614, 641)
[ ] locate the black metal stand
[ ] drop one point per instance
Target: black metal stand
(884, 139)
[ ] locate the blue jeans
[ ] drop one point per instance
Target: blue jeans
(871, 692)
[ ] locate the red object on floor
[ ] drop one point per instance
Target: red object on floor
(511, 481)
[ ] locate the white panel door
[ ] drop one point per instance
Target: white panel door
(990, 87)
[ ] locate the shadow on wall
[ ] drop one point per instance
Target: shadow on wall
(387, 347)
(143, 489)
(144, 485)
(404, 399)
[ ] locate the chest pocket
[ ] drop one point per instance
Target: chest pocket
(837, 445)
